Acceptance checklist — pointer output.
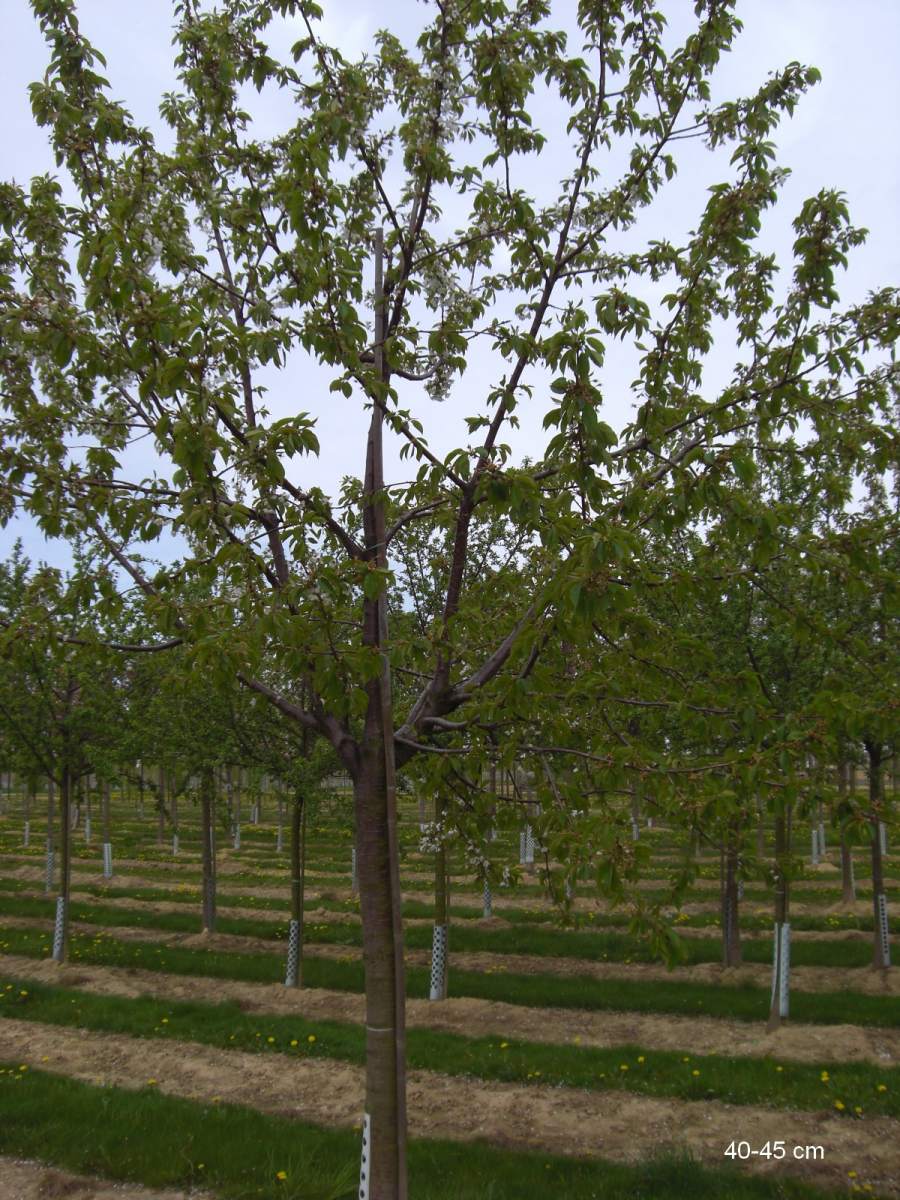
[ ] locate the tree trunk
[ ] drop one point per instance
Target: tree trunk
(731, 932)
(294, 974)
(29, 794)
(760, 828)
(848, 884)
(61, 930)
(881, 957)
(440, 932)
(208, 847)
(383, 1157)
(781, 941)
(87, 792)
(161, 806)
(173, 812)
(107, 830)
(50, 869)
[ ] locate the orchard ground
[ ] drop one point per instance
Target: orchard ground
(565, 1062)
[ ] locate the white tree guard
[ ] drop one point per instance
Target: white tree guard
(528, 845)
(740, 889)
(293, 954)
(27, 834)
(781, 968)
(649, 822)
(438, 963)
(570, 891)
(254, 814)
(50, 867)
(279, 840)
(487, 899)
(822, 849)
(635, 829)
(882, 837)
(87, 829)
(882, 932)
(107, 860)
(174, 843)
(237, 837)
(59, 929)
(365, 1158)
(354, 873)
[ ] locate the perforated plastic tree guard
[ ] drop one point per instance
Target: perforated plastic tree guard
(487, 899)
(59, 928)
(883, 936)
(107, 860)
(365, 1157)
(293, 954)
(438, 963)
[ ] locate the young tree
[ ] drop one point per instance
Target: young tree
(165, 291)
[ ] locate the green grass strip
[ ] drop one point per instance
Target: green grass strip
(860, 1087)
(744, 1003)
(586, 946)
(166, 1142)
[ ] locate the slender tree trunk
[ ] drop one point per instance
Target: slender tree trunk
(61, 930)
(441, 930)
(208, 847)
(731, 931)
(294, 975)
(29, 795)
(279, 837)
(781, 947)
(635, 813)
(848, 884)
(161, 806)
(383, 1158)
(107, 830)
(173, 811)
(87, 793)
(881, 957)
(50, 867)
(760, 828)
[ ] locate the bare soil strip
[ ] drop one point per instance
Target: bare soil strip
(326, 916)
(612, 1125)
(35, 1181)
(228, 863)
(803, 979)
(486, 1018)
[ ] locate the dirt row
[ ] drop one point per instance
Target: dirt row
(614, 1125)
(819, 1044)
(229, 862)
(502, 899)
(326, 916)
(803, 979)
(20, 1180)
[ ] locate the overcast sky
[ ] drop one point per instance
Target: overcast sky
(844, 135)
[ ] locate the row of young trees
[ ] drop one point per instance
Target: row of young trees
(160, 306)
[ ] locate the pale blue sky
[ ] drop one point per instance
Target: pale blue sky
(843, 135)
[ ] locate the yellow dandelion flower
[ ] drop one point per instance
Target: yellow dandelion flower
(839, 1105)
(282, 1175)
(311, 1038)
